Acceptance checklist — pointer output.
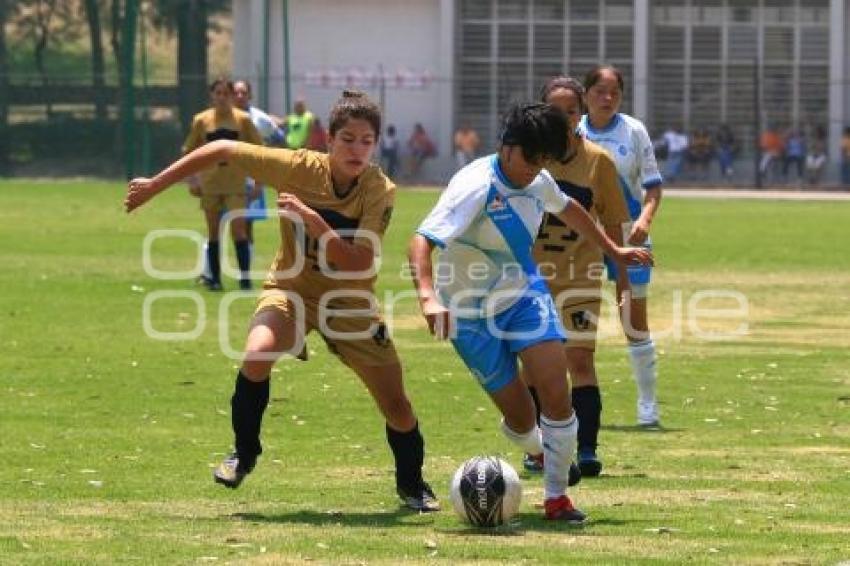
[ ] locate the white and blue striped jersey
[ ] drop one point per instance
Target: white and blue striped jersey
(271, 133)
(627, 140)
(477, 273)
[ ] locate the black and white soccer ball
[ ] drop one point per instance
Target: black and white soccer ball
(486, 491)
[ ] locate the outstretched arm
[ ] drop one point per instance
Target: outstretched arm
(141, 189)
(419, 256)
(575, 216)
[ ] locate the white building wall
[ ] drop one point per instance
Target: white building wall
(340, 35)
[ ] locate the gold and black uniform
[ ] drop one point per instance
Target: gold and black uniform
(300, 276)
(573, 265)
(222, 187)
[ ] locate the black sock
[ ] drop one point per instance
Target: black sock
(243, 258)
(409, 453)
(248, 403)
(536, 399)
(214, 260)
(587, 404)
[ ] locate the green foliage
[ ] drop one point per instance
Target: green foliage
(108, 435)
(71, 146)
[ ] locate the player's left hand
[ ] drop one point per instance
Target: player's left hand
(294, 204)
(639, 233)
(635, 256)
(139, 191)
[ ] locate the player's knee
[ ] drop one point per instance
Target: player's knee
(582, 368)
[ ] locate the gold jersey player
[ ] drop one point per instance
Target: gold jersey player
(222, 186)
(335, 209)
(574, 267)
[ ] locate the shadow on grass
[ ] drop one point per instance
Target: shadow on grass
(524, 523)
(319, 518)
(660, 429)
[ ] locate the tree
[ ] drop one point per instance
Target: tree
(190, 19)
(4, 88)
(97, 60)
(45, 22)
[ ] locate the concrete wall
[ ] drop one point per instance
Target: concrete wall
(330, 35)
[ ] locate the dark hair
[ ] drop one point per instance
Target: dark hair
(391, 130)
(354, 104)
(595, 75)
(245, 82)
(222, 80)
(540, 130)
(565, 82)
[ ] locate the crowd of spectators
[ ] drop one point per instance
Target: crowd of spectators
(789, 156)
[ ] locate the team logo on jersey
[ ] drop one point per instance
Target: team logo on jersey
(498, 204)
(623, 150)
(580, 320)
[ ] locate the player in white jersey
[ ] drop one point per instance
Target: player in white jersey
(490, 298)
(627, 140)
(271, 133)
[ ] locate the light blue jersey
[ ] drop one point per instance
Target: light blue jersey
(485, 273)
(626, 140)
(478, 272)
(272, 134)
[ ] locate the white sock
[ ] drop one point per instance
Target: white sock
(206, 271)
(559, 449)
(530, 441)
(642, 355)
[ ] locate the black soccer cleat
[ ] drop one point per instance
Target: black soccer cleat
(232, 471)
(588, 463)
(421, 499)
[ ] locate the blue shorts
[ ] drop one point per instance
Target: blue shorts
(638, 274)
(256, 208)
(489, 346)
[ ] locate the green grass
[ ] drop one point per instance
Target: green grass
(108, 436)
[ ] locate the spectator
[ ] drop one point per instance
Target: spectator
(700, 152)
(298, 125)
(318, 138)
(795, 152)
(677, 144)
(466, 145)
(772, 147)
(726, 149)
(815, 161)
(390, 152)
(845, 157)
(421, 147)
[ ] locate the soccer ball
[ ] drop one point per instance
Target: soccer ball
(485, 491)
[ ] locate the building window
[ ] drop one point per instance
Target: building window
(703, 66)
(508, 48)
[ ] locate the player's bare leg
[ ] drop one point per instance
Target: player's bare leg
(643, 358)
(386, 386)
(271, 334)
(546, 370)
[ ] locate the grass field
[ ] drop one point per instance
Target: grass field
(109, 436)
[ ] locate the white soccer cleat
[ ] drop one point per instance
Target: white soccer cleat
(647, 414)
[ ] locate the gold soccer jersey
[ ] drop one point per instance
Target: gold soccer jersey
(208, 126)
(360, 216)
(565, 258)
